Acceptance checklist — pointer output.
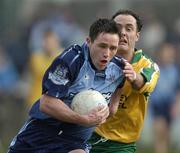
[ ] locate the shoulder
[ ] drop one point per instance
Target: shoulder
(150, 62)
(70, 61)
(144, 60)
(141, 55)
(72, 55)
(148, 68)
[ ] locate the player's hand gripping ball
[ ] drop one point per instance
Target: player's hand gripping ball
(86, 100)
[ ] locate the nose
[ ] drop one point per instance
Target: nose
(106, 53)
(122, 32)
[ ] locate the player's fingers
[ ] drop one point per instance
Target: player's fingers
(104, 110)
(100, 107)
(103, 121)
(131, 75)
(128, 67)
(96, 109)
(99, 111)
(104, 113)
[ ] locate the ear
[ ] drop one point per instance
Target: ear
(88, 40)
(137, 36)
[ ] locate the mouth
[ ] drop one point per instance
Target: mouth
(103, 62)
(122, 42)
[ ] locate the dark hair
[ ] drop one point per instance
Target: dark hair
(128, 12)
(102, 26)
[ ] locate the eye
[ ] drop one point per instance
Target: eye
(128, 29)
(112, 48)
(102, 45)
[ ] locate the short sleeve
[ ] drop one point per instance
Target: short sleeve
(57, 79)
(151, 75)
(62, 72)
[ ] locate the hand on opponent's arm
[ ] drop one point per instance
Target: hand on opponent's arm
(136, 79)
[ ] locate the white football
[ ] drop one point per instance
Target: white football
(86, 100)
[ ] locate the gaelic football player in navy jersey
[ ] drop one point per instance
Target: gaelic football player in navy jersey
(53, 127)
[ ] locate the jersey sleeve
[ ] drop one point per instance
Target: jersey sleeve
(120, 62)
(151, 74)
(122, 83)
(61, 73)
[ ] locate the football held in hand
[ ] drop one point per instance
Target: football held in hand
(86, 100)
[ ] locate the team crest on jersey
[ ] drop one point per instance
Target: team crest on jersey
(59, 75)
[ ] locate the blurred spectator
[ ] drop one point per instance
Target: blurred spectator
(39, 62)
(8, 74)
(175, 135)
(9, 94)
(174, 37)
(163, 98)
(153, 34)
(15, 48)
(62, 24)
(176, 107)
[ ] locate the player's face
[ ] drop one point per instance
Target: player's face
(128, 33)
(103, 49)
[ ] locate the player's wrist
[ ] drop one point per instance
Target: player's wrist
(134, 77)
(86, 120)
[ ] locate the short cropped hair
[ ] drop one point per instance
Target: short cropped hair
(128, 12)
(102, 26)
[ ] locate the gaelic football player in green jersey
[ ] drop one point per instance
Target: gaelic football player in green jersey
(121, 131)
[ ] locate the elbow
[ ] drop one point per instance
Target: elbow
(43, 104)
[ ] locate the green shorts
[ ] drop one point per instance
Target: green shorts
(101, 145)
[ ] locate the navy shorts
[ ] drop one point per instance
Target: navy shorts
(35, 137)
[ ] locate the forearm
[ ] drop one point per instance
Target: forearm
(114, 103)
(59, 110)
(138, 82)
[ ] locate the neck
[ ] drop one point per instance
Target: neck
(126, 55)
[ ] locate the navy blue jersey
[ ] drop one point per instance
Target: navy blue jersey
(70, 73)
(73, 71)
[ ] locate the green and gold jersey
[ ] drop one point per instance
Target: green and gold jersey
(126, 125)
